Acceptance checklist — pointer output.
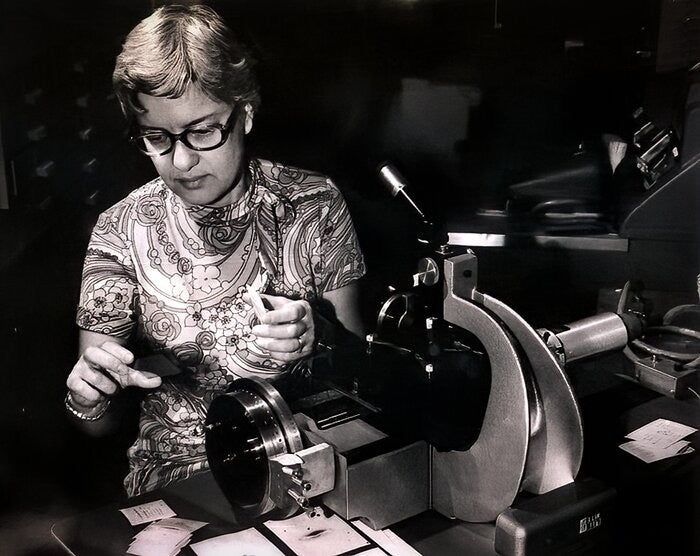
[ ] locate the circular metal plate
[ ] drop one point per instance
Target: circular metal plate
(398, 313)
(428, 271)
(245, 428)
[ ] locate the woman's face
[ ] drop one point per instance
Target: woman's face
(198, 177)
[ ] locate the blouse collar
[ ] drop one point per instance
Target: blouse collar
(265, 204)
(260, 193)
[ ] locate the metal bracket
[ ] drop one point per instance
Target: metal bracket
(302, 475)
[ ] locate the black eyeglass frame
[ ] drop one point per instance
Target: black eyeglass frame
(224, 129)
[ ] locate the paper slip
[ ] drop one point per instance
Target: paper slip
(371, 552)
(165, 537)
(257, 302)
(650, 453)
(318, 535)
(188, 525)
(659, 440)
(143, 513)
(387, 539)
(244, 543)
(662, 433)
(159, 543)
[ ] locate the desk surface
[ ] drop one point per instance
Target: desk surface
(106, 532)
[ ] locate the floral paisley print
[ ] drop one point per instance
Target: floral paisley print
(173, 276)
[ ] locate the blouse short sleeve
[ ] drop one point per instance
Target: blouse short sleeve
(340, 257)
(108, 293)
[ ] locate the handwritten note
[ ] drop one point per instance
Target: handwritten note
(151, 511)
(659, 440)
(662, 433)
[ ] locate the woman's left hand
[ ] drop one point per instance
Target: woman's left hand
(286, 331)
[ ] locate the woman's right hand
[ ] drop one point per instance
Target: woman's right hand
(102, 371)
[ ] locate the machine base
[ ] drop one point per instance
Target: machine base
(574, 519)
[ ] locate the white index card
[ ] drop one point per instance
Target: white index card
(661, 433)
(150, 511)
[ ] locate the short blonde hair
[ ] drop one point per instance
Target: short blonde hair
(181, 45)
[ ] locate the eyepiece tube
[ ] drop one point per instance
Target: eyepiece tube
(593, 336)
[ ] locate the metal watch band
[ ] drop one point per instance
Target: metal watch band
(85, 416)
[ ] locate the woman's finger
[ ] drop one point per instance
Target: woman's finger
(119, 351)
(86, 395)
(100, 381)
(285, 345)
(284, 331)
(105, 360)
(285, 310)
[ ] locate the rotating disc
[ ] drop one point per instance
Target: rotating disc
(246, 427)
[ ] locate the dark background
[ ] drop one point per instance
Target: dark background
(492, 97)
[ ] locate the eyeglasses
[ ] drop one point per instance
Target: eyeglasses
(157, 142)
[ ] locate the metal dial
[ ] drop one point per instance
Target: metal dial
(246, 427)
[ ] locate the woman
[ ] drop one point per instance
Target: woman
(169, 265)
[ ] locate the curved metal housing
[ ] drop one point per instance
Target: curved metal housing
(532, 437)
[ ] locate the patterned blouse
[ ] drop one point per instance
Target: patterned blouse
(172, 276)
